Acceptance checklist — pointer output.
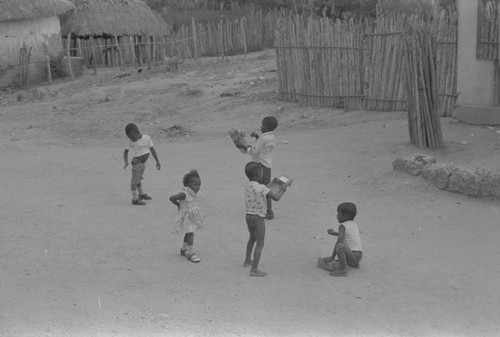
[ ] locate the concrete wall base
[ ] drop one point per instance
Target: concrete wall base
(473, 183)
(478, 115)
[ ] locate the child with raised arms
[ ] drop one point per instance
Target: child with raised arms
(189, 217)
(256, 207)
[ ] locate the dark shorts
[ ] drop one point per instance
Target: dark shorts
(256, 224)
(266, 174)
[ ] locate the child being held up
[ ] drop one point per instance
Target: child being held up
(256, 205)
(262, 152)
(348, 247)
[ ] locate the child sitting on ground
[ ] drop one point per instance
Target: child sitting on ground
(255, 204)
(348, 247)
(188, 218)
(140, 147)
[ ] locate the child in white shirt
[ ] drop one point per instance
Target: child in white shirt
(140, 146)
(348, 247)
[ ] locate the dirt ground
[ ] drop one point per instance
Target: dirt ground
(77, 259)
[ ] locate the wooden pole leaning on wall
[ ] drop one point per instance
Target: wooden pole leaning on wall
(68, 54)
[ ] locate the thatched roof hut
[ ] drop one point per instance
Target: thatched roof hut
(113, 18)
(30, 9)
(30, 32)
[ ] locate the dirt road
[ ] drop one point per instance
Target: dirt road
(77, 259)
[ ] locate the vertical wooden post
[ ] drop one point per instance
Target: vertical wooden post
(101, 53)
(131, 40)
(153, 50)
(221, 37)
(28, 69)
(139, 50)
(148, 51)
(49, 74)
(21, 67)
(110, 48)
(195, 41)
(242, 23)
(163, 50)
(68, 54)
(78, 48)
(120, 55)
(94, 58)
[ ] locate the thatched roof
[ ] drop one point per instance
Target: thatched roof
(32, 9)
(113, 17)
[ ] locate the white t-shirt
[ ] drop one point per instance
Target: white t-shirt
(262, 150)
(140, 147)
(352, 236)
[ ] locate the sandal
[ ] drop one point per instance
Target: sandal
(193, 258)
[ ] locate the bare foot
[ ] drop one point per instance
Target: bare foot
(247, 263)
(338, 272)
(259, 273)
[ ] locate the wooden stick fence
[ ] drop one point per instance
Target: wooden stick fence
(384, 64)
(487, 42)
(325, 58)
(446, 61)
(360, 66)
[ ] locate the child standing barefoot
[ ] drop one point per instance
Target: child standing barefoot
(256, 207)
(189, 218)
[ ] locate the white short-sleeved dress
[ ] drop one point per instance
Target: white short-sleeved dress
(189, 217)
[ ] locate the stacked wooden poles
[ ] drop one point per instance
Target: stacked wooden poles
(423, 120)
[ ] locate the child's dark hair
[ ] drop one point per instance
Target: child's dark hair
(251, 169)
(348, 209)
(270, 122)
(190, 175)
(131, 127)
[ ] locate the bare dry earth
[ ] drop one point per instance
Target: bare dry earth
(77, 259)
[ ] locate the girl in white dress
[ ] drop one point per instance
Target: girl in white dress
(189, 218)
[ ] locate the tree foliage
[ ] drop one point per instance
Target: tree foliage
(330, 8)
